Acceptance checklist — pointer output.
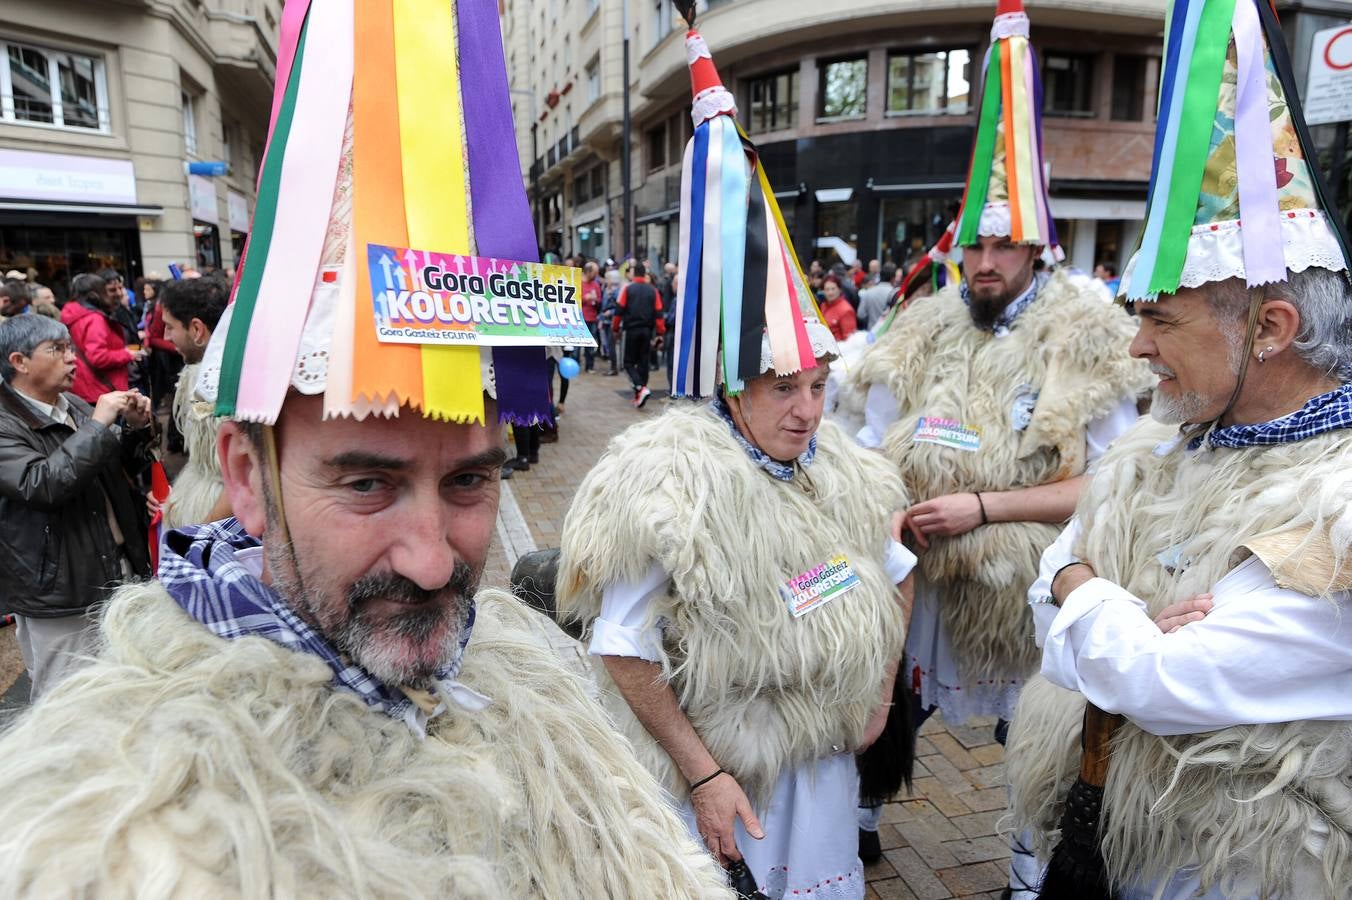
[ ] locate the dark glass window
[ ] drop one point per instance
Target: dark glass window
(1068, 85)
(932, 82)
(772, 102)
(1128, 88)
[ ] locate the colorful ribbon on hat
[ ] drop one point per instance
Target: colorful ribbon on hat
(1010, 120)
(434, 166)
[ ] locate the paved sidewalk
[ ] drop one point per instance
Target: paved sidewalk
(939, 843)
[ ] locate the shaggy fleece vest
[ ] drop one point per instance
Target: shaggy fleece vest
(1264, 809)
(1070, 349)
(199, 485)
(765, 691)
(182, 765)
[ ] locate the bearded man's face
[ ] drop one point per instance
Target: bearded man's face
(389, 521)
(997, 270)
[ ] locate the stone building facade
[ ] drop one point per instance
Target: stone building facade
(105, 107)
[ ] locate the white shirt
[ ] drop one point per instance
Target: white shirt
(881, 413)
(620, 629)
(57, 412)
(1264, 654)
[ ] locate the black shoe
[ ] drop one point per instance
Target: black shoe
(533, 458)
(506, 472)
(520, 464)
(870, 847)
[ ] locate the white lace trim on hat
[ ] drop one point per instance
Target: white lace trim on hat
(711, 102)
(310, 375)
(1010, 25)
(1216, 252)
(696, 48)
(818, 335)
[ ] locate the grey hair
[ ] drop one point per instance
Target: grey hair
(1324, 301)
(23, 334)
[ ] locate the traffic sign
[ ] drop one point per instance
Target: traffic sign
(1328, 92)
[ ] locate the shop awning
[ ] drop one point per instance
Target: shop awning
(101, 209)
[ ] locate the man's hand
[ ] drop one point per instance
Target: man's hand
(947, 516)
(718, 804)
(1070, 578)
(1174, 617)
(130, 405)
(137, 411)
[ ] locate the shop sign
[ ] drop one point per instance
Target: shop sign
(25, 175)
(202, 199)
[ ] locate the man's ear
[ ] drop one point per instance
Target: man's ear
(19, 362)
(198, 331)
(242, 471)
(1278, 327)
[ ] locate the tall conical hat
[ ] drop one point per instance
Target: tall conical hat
(1233, 191)
(741, 284)
(1006, 191)
(391, 128)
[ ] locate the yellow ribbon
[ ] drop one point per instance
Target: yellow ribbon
(436, 184)
(1023, 147)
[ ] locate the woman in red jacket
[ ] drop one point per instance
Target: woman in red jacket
(102, 356)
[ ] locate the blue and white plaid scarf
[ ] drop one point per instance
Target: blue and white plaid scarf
(1322, 414)
(1004, 323)
(778, 470)
(199, 570)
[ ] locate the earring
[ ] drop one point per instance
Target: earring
(1262, 355)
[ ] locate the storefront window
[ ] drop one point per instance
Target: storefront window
(208, 241)
(837, 233)
(910, 226)
(57, 254)
(53, 87)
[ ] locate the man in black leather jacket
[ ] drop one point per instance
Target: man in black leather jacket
(71, 523)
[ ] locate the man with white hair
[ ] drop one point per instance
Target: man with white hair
(1194, 615)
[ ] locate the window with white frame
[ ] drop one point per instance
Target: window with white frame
(189, 123)
(44, 86)
(594, 79)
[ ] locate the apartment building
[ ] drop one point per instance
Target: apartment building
(130, 132)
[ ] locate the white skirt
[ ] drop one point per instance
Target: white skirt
(938, 673)
(811, 838)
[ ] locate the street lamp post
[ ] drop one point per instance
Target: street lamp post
(626, 176)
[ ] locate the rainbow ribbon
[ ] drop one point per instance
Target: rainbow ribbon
(434, 166)
(741, 278)
(1009, 126)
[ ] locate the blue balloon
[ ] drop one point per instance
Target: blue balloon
(568, 367)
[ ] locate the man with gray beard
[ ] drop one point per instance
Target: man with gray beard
(1194, 615)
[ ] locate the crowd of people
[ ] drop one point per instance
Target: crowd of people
(970, 486)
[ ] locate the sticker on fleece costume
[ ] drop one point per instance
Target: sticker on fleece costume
(947, 433)
(1021, 412)
(819, 585)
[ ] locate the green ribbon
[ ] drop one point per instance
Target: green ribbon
(265, 219)
(983, 157)
(1194, 142)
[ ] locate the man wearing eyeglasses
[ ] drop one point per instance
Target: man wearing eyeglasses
(71, 525)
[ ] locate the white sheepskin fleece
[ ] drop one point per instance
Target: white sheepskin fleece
(183, 765)
(1071, 349)
(765, 691)
(199, 485)
(1261, 810)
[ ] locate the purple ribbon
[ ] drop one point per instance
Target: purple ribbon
(502, 220)
(1260, 215)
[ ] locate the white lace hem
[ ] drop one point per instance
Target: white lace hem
(1216, 252)
(818, 335)
(1010, 25)
(961, 702)
(711, 102)
(696, 48)
(310, 374)
(846, 886)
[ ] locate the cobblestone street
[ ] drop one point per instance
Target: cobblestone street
(939, 843)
